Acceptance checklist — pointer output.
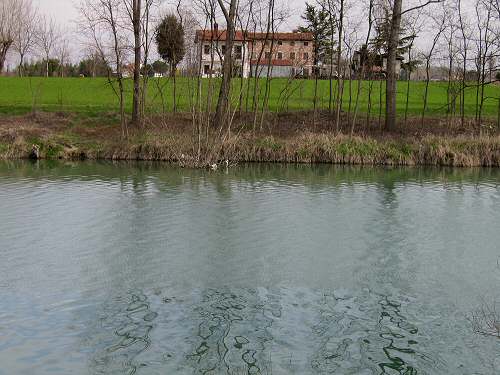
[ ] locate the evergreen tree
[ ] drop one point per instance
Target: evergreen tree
(170, 41)
(318, 23)
(382, 30)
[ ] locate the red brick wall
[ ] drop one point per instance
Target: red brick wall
(285, 49)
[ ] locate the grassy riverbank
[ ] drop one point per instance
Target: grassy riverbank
(285, 138)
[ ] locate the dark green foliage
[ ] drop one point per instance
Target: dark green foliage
(160, 67)
(38, 68)
(93, 66)
(170, 41)
(147, 70)
(382, 28)
(318, 23)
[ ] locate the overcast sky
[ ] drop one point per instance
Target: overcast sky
(63, 10)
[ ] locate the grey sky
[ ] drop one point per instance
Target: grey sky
(64, 11)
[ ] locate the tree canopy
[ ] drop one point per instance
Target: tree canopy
(318, 23)
(170, 41)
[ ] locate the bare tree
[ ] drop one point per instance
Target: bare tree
(484, 44)
(451, 57)
(147, 22)
(362, 69)
(392, 50)
(63, 53)
(101, 23)
(134, 11)
(26, 32)
(227, 65)
(464, 49)
(10, 21)
(47, 37)
(340, 82)
(439, 25)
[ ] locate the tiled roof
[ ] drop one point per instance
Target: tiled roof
(240, 35)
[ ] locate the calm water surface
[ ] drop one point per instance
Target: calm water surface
(265, 269)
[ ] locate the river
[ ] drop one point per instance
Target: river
(144, 268)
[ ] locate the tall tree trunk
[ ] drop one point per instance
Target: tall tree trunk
(136, 20)
(227, 67)
(426, 90)
(4, 47)
(340, 83)
(391, 83)
(498, 115)
(173, 75)
(408, 79)
(21, 65)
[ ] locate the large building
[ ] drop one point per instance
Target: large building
(257, 54)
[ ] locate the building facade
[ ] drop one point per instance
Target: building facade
(257, 54)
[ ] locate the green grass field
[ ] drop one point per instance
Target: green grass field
(94, 96)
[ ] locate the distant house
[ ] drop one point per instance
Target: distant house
(372, 65)
(436, 73)
(276, 54)
(128, 70)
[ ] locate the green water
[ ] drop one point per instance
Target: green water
(133, 268)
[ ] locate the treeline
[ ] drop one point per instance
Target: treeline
(86, 68)
(89, 67)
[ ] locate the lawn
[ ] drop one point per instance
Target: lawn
(94, 96)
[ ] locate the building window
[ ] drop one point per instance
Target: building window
(280, 43)
(292, 43)
(292, 55)
(223, 49)
(206, 49)
(306, 44)
(206, 69)
(267, 55)
(238, 55)
(280, 56)
(306, 56)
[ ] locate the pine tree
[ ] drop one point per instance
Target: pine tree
(318, 23)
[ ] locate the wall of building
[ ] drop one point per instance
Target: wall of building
(296, 51)
(207, 48)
